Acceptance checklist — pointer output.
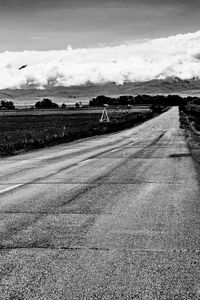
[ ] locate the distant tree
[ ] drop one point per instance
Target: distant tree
(196, 101)
(7, 104)
(139, 99)
(174, 100)
(64, 106)
(125, 100)
(77, 105)
(46, 104)
(101, 100)
(156, 109)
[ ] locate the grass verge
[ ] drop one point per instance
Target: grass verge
(190, 123)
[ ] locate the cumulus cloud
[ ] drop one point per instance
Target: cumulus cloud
(175, 56)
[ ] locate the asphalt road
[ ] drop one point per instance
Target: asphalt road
(111, 217)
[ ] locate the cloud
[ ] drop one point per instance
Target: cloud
(37, 38)
(175, 56)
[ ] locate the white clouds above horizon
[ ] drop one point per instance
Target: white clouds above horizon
(175, 56)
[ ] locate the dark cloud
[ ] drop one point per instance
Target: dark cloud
(27, 4)
(46, 24)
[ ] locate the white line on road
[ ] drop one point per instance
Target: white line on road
(24, 161)
(115, 150)
(84, 162)
(10, 188)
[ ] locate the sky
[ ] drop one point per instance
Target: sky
(56, 24)
(73, 42)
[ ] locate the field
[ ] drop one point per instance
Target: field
(23, 132)
(96, 110)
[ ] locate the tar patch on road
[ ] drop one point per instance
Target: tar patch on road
(180, 155)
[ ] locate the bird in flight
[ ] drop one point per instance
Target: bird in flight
(23, 67)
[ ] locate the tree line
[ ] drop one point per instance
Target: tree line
(102, 100)
(161, 100)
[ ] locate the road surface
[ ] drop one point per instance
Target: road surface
(111, 217)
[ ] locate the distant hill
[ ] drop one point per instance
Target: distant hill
(168, 86)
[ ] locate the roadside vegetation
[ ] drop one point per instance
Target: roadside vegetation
(190, 122)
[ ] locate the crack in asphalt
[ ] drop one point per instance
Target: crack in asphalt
(8, 248)
(105, 183)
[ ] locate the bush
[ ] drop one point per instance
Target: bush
(64, 106)
(156, 109)
(46, 103)
(7, 104)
